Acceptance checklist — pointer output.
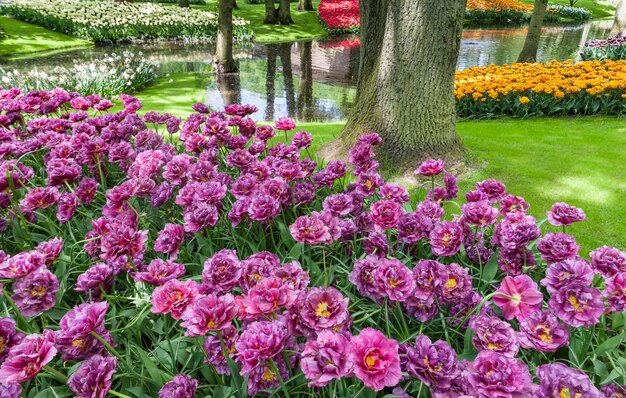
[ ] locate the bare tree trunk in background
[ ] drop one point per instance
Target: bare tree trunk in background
(270, 79)
(619, 25)
(183, 3)
(284, 12)
(223, 61)
(405, 91)
(290, 94)
(270, 13)
(305, 5)
(531, 45)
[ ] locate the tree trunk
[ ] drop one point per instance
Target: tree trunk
(405, 91)
(223, 61)
(531, 45)
(305, 87)
(305, 5)
(284, 12)
(270, 13)
(619, 25)
(290, 95)
(183, 3)
(270, 79)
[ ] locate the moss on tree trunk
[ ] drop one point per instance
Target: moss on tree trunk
(531, 44)
(405, 90)
(223, 61)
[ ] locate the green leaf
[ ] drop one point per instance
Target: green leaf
(490, 269)
(610, 344)
(151, 367)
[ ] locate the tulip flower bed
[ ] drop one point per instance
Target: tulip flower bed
(339, 17)
(555, 88)
(612, 48)
(145, 256)
(110, 21)
(108, 76)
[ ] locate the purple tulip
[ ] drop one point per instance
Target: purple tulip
(326, 358)
(543, 332)
(92, 379)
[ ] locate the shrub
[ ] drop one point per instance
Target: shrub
(613, 48)
(555, 88)
(108, 76)
(199, 2)
(225, 260)
(110, 21)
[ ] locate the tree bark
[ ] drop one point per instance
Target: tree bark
(270, 13)
(305, 5)
(531, 45)
(405, 91)
(619, 24)
(270, 79)
(223, 61)
(183, 3)
(284, 12)
(305, 107)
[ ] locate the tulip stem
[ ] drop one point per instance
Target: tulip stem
(118, 394)
(56, 373)
(113, 351)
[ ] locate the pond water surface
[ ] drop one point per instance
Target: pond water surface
(316, 80)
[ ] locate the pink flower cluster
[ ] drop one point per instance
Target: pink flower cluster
(265, 315)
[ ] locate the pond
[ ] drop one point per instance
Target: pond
(316, 80)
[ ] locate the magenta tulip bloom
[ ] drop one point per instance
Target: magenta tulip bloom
(567, 272)
(174, 297)
(480, 213)
(559, 380)
(608, 261)
(577, 305)
(524, 297)
(8, 337)
(74, 339)
(615, 292)
(394, 280)
(159, 271)
(181, 386)
(267, 297)
(27, 358)
(319, 309)
(497, 375)
(435, 364)
(494, 335)
(430, 167)
(260, 342)
(558, 246)
(221, 272)
(446, 238)
(562, 214)
(376, 359)
(543, 332)
(385, 214)
(36, 292)
(209, 313)
(92, 379)
(285, 123)
(326, 358)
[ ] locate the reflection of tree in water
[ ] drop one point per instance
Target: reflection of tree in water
(285, 60)
(270, 79)
(306, 108)
(229, 86)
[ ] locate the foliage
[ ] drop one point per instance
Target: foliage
(612, 48)
(108, 76)
(110, 21)
(555, 88)
(199, 2)
(134, 212)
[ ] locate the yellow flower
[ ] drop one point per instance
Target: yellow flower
(524, 100)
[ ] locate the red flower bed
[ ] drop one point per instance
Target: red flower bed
(340, 16)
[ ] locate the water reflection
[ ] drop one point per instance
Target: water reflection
(316, 80)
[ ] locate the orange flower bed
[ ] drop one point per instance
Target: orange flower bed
(498, 5)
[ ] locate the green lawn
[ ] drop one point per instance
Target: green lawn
(601, 9)
(578, 161)
(306, 24)
(26, 38)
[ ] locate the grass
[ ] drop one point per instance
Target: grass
(26, 39)
(601, 9)
(306, 24)
(174, 93)
(578, 161)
